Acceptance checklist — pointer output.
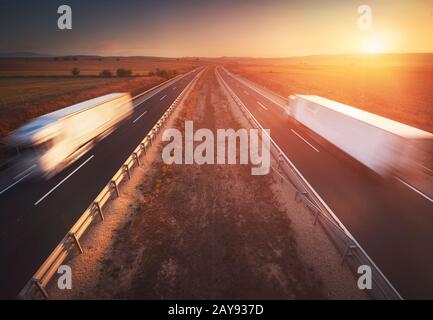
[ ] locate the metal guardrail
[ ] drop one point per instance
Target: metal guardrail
(352, 253)
(94, 212)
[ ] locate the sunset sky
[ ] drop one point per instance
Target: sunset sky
(272, 28)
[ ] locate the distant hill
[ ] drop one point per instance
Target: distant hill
(384, 59)
(23, 55)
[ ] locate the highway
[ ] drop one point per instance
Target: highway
(36, 215)
(391, 221)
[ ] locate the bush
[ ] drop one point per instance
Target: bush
(106, 74)
(75, 72)
(162, 73)
(123, 72)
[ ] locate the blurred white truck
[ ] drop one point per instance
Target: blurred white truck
(50, 143)
(385, 146)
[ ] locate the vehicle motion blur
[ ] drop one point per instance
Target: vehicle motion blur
(50, 143)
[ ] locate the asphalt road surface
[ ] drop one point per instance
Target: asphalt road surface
(36, 215)
(392, 222)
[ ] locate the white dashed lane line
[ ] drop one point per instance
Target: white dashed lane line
(139, 117)
(61, 182)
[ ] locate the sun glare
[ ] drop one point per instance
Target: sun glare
(375, 45)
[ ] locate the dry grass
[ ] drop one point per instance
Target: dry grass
(23, 90)
(90, 66)
(395, 86)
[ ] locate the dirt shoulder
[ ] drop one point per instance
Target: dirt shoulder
(207, 232)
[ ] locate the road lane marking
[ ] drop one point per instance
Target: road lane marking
(315, 149)
(61, 182)
(139, 117)
(174, 88)
(246, 93)
(262, 105)
(13, 184)
(163, 98)
(24, 172)
(415, 189)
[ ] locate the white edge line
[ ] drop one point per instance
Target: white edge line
(7, 188)
(262, 105)
(415, 189)
(342, 226)
(163, 98)
(139, 117)
(67, 177)
(315, 149)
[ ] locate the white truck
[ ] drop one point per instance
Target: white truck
(50, 143)
(385, 146)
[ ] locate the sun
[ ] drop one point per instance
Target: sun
(375, 45)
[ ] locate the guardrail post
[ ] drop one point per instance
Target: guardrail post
(348, 252)
(38, 285)
(316, 217)
(74, 237)
(137, 158)
(280, 159)
(98, 207)
(298, 196)
(116, 188)
(126, 168)
(151, 137)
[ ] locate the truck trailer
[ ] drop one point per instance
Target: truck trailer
(387, 147)
(50, 143)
